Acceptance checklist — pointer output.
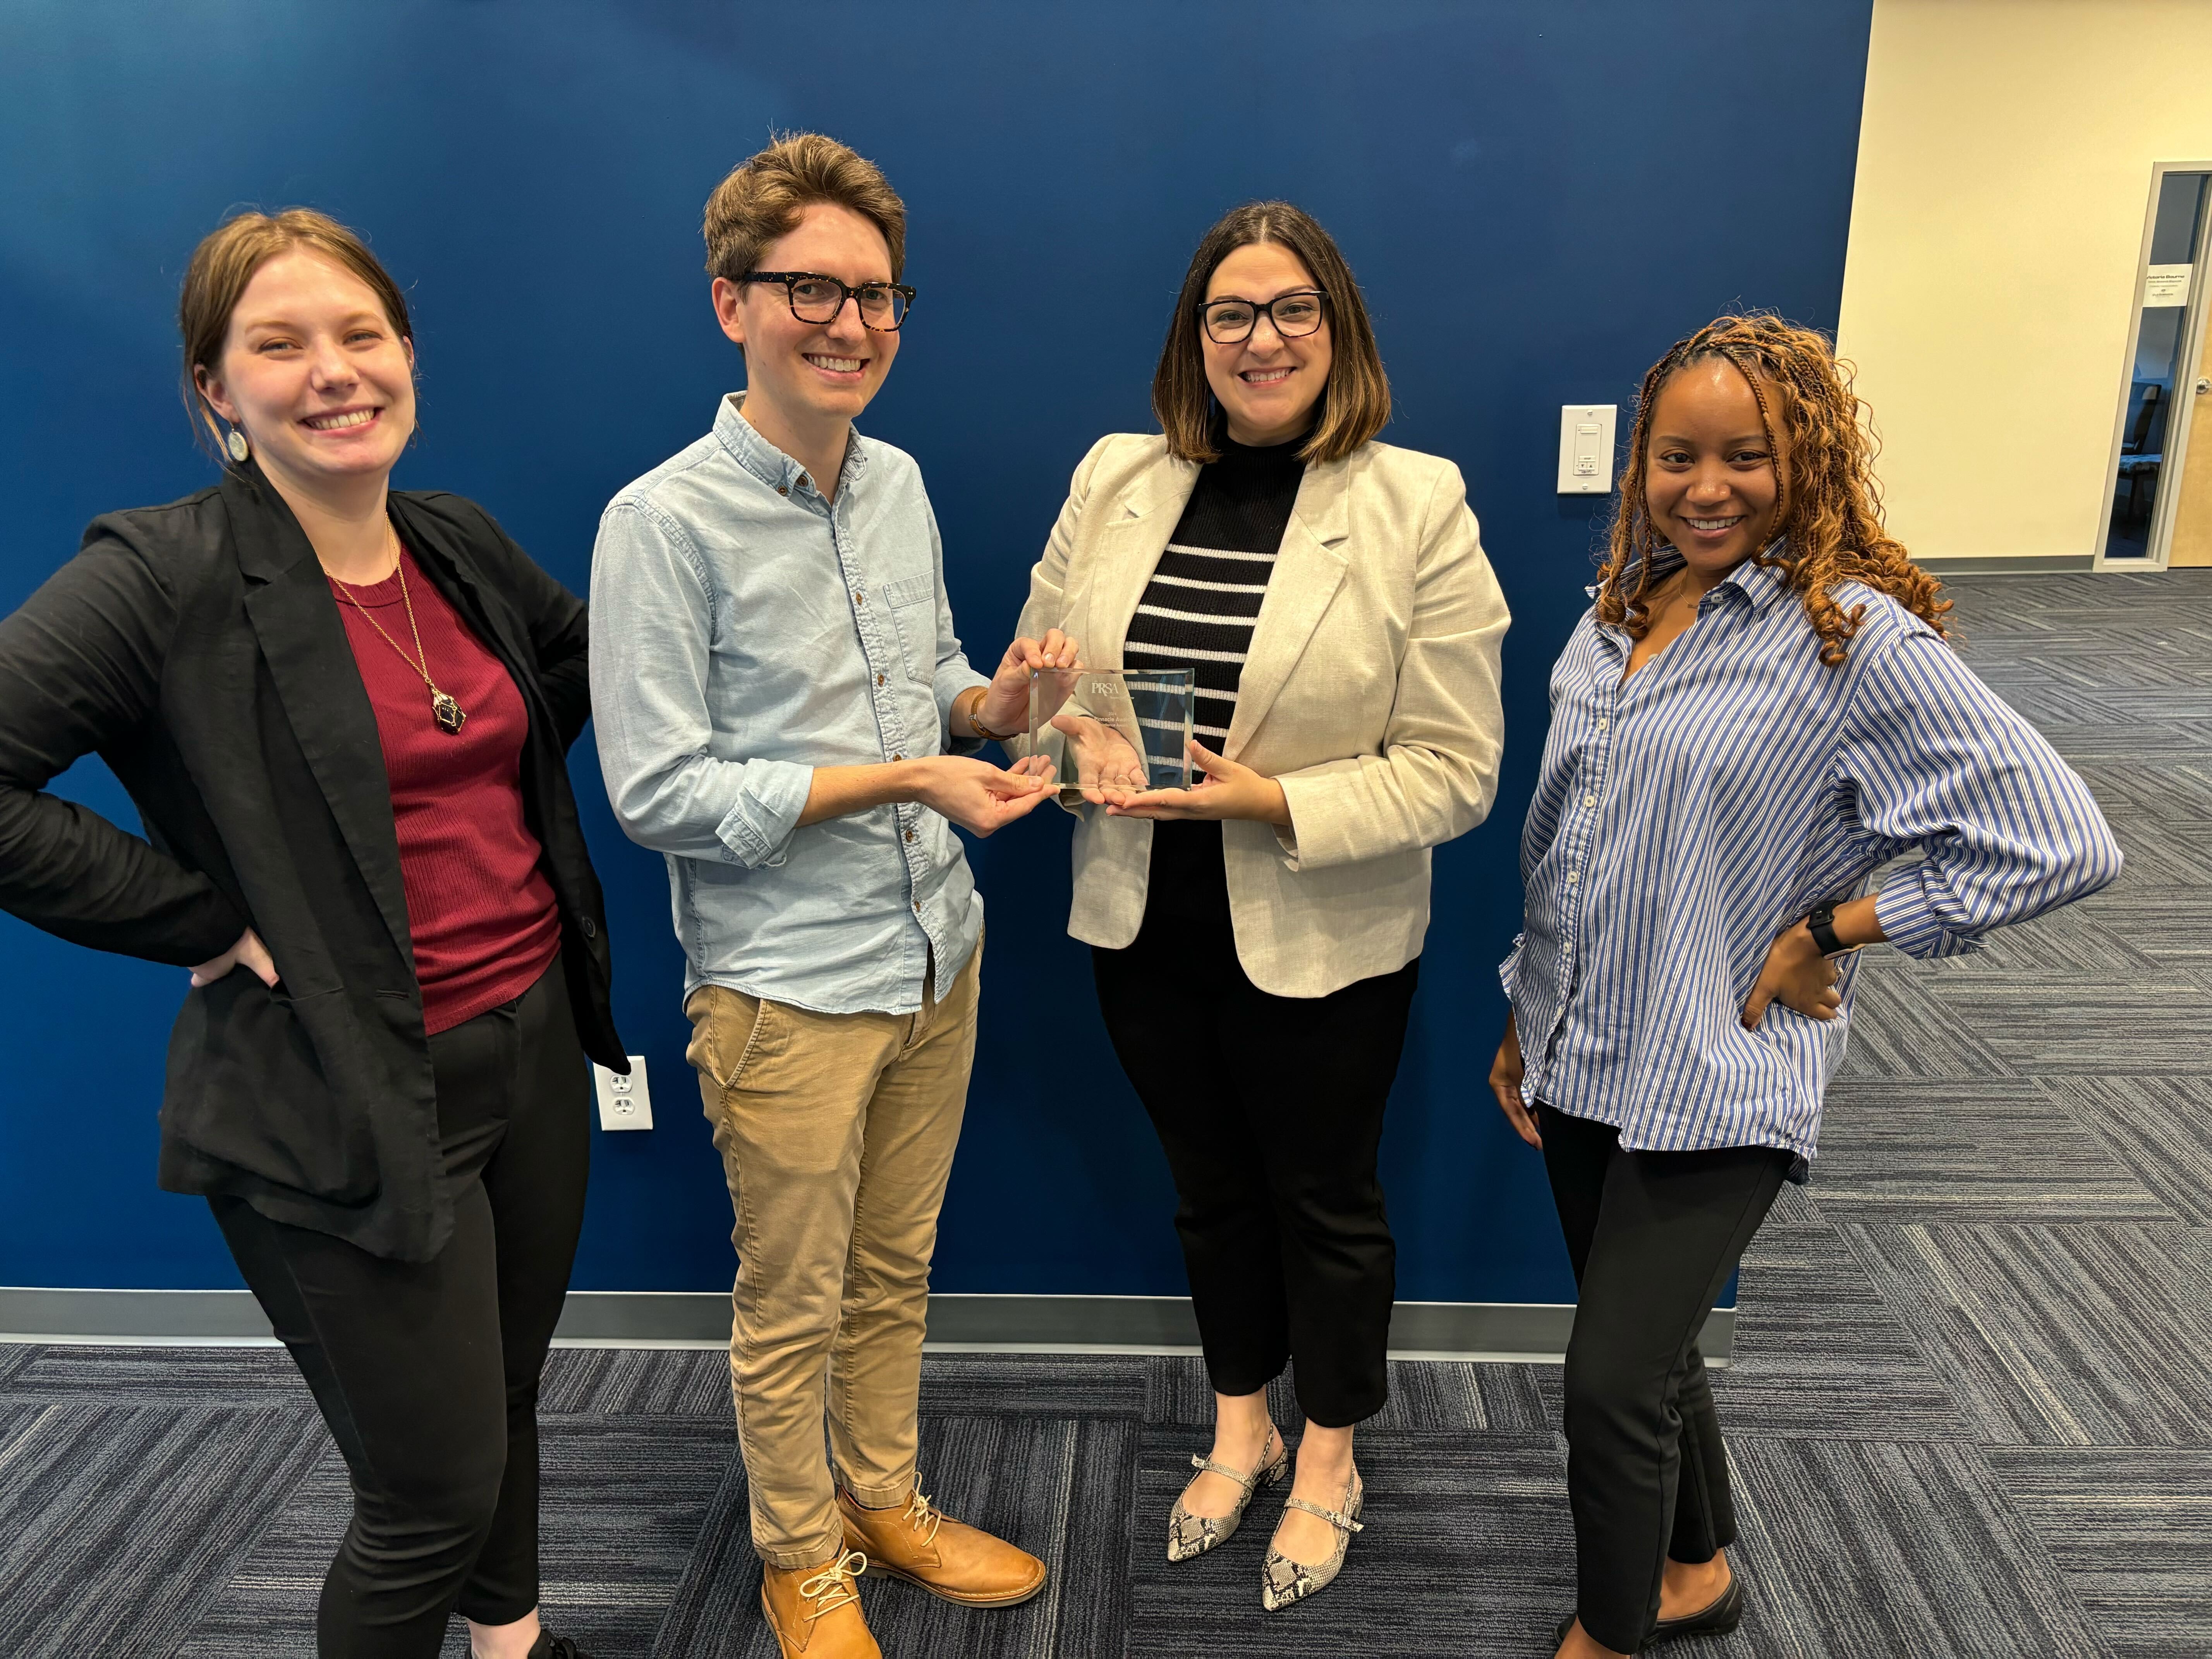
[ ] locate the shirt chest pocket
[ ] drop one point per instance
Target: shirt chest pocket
(912, 602)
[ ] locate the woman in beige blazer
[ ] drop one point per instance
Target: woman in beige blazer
(1257, 935)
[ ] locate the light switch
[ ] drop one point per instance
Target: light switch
(625, 1102)
(1586, 448)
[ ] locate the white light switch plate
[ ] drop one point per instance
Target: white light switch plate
(1586, 448)
(625, 1102)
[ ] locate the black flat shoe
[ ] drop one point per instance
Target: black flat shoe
(549, 1646)
(1725, 1613)
(1559, 1636)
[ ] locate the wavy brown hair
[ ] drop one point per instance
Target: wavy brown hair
(1828, 525)
(1355, 401)
(764, 197)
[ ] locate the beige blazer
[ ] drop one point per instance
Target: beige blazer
(1370, 694)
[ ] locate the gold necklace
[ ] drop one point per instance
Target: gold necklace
(444, 708)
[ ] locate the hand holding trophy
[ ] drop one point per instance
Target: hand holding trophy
(1098, 758)
(1118, 730)
(1001, 708)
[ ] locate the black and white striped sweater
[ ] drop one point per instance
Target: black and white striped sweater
(1199, 609)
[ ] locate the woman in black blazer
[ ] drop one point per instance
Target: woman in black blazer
(342, 713)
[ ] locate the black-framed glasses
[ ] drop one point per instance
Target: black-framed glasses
(816, 298)
(1230, 322)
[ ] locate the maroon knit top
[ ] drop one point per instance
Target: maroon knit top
(483, 915)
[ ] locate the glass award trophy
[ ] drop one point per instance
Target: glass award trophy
(1112, 728)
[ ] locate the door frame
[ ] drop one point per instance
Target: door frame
(2177, 421)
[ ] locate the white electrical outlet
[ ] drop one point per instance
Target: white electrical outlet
(1586, 448)
(625, 1102)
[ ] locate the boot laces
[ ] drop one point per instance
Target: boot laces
(832, 1588)
(919, 1515)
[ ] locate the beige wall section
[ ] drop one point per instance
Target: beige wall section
(2004, 177)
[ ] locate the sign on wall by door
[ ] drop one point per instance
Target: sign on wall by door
(2166, 285)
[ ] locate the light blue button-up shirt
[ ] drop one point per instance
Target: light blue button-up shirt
(744, 631)
(1687, 815)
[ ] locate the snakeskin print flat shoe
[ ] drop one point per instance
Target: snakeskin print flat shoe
(1192, 1534)
(1282, 1581)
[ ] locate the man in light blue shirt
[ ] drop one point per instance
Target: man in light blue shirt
(784, 711)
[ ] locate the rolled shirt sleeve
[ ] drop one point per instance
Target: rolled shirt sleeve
(1678, 826)
(2008, 830)
(652, 632)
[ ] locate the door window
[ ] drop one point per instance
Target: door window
(2158, 366)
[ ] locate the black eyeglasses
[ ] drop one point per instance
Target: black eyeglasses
(816, 298)
(1230, 322)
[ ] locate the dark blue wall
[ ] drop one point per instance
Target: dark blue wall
(1539, 195)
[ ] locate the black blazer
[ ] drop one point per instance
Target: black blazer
(197, 649)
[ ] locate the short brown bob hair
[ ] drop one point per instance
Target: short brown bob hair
(1355, 404)
(224, 263)
(763, 196)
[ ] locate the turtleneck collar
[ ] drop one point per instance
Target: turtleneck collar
(1260, 457)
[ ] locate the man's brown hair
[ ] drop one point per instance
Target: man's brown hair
(763, 198)
(1355, 404)
(224, 263)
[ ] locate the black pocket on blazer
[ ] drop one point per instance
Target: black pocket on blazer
(247, 1088)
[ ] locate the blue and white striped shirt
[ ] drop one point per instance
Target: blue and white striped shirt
(1684, 817)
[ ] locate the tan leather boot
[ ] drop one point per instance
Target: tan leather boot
(946, 1557)
(815, 1612)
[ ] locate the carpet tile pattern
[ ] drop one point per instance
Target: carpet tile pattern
(2080, 1336)
(1975, 1149)
(2127, 1527)
(1889, 1546)
(1824, 1356)
(127, 1515)
(1970, 1413)
(2160, 1128)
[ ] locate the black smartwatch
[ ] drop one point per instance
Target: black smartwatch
(1821, 924)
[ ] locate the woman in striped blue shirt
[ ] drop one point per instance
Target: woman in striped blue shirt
(1758, 714)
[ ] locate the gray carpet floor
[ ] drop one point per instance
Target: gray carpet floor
(1970, 1413)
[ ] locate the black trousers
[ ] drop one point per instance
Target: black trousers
(427, 1372)
(1270, 1109)
(1653, 1236)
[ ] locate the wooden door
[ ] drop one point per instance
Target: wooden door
(2192, 498)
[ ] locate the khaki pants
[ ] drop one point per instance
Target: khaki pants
(836, 1133)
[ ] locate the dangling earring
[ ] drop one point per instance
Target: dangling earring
(235, 443)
